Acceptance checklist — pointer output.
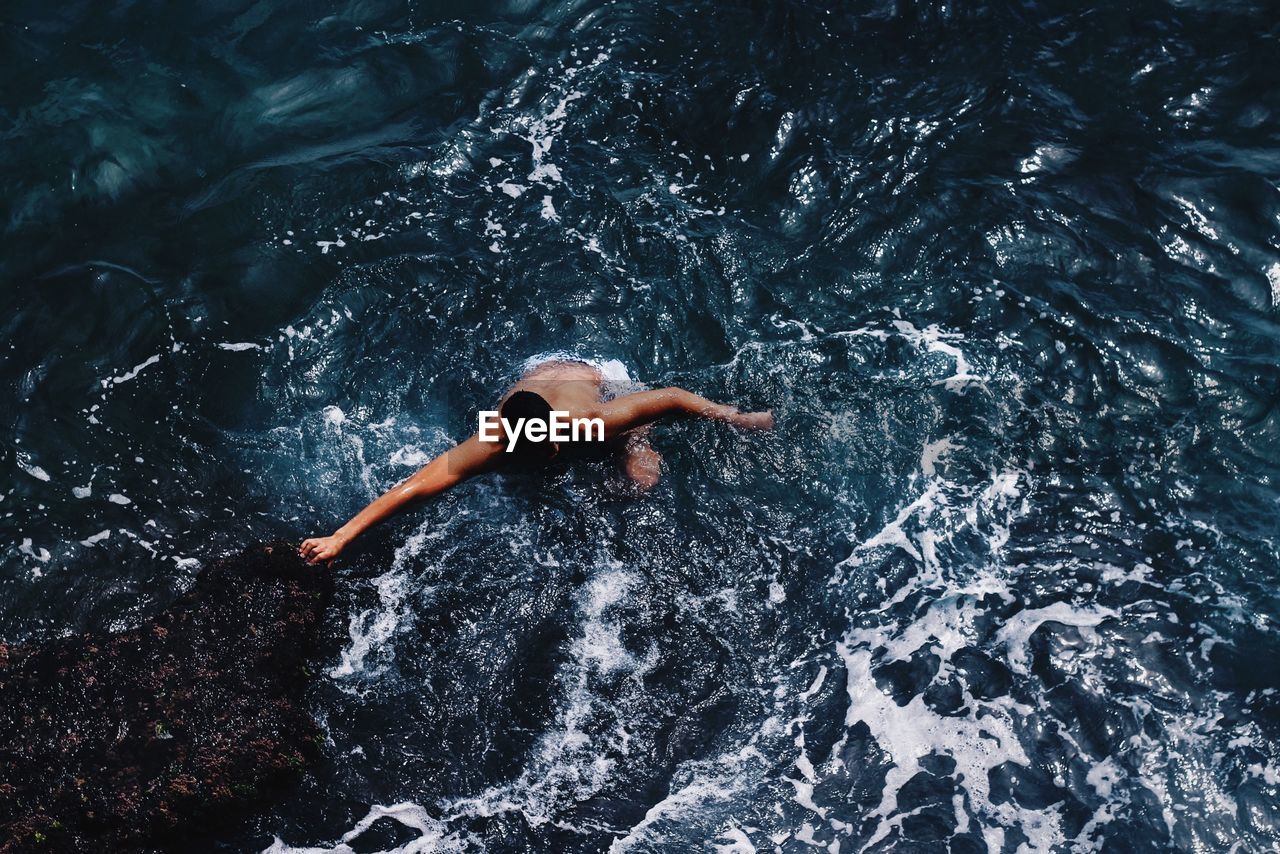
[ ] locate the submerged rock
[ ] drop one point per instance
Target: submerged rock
(125, 740)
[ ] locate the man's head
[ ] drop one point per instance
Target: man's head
(529, 406)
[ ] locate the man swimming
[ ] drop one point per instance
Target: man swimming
(574, 389)
(566, 387)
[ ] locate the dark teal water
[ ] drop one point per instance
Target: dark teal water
(1004, 578)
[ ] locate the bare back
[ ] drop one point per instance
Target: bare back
(573, 387)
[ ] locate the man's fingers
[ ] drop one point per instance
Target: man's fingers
(319, 550)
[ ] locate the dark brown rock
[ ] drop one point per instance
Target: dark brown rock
(121, 741)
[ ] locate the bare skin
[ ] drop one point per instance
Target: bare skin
(573, 387)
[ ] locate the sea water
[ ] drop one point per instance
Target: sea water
(1002, 578)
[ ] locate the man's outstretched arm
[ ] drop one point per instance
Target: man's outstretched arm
(635, 410)
(454, 466)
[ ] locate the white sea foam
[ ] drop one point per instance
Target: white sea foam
(131, 373)
(978, 742)
(25, 463)
(30, 550)
(984, 735)
(540, 133)
(698, 786)
(934, 340)
(1017, 631)
(410, 456)
(568, 763)
(549, 210)
(96, 538)
(934, 453)
(372, 628)
(434, 835)
(735, 841)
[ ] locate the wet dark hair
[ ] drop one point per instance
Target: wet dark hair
(528, 405)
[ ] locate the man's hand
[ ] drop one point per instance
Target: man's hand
(753, 420)
(322, 549)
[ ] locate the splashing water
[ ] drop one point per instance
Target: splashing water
(1003, 578)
